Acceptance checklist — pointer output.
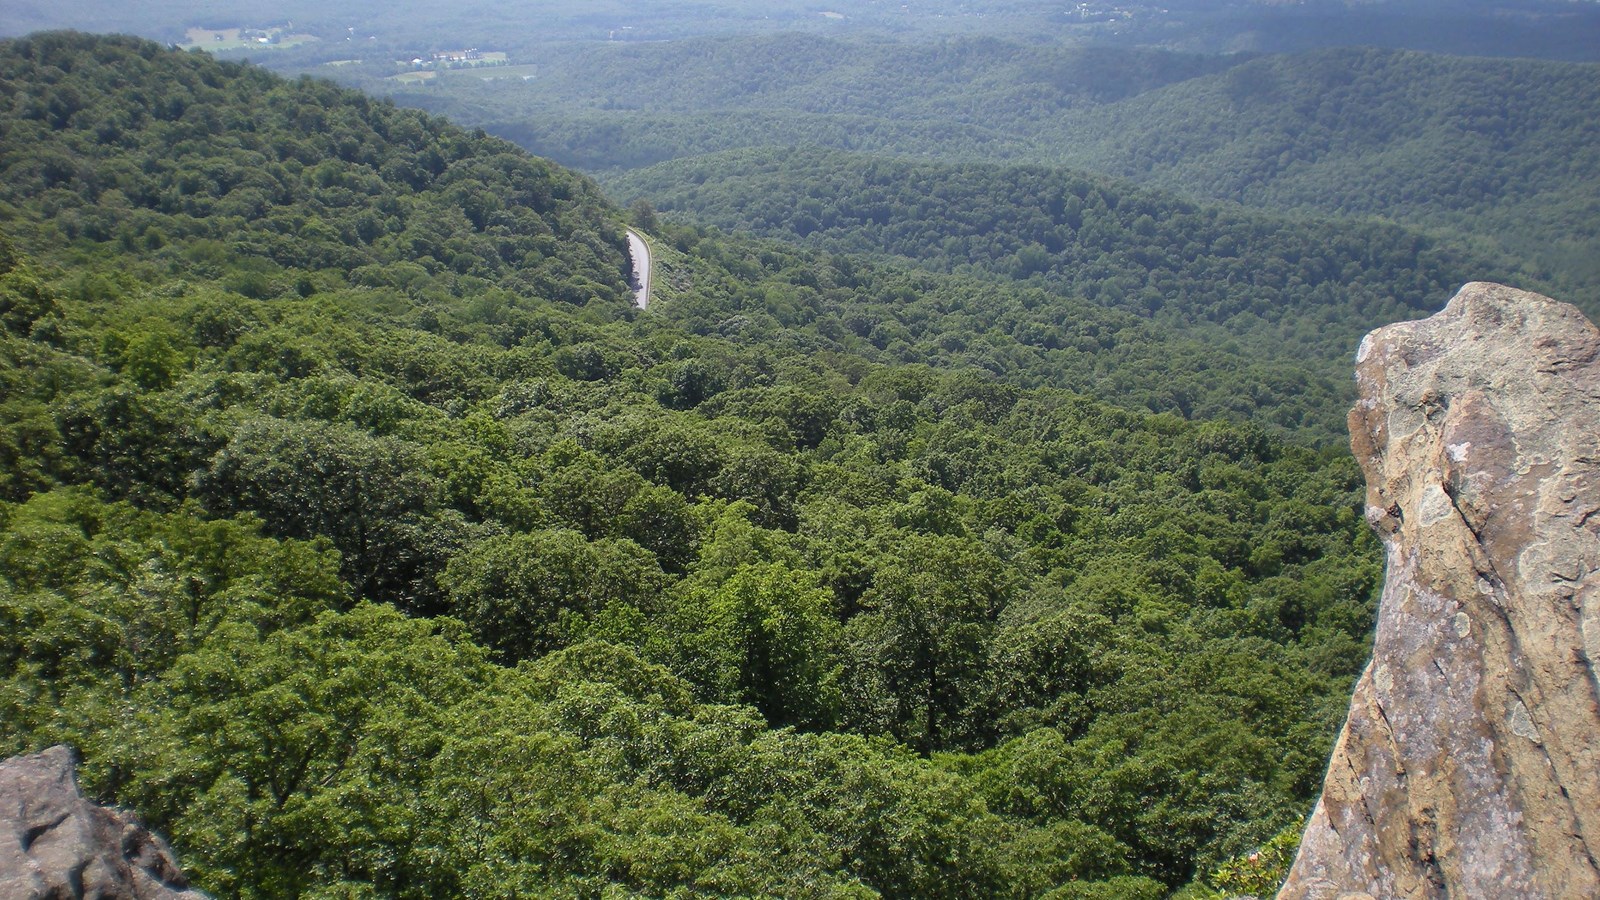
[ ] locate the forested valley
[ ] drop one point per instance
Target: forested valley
(362, 535)
(968, 514)
(1494, 154)
(1285, 291)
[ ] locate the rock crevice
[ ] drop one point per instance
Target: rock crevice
(1469, 765)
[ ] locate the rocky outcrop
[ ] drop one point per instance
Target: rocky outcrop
(1470, 762)
(54, 843)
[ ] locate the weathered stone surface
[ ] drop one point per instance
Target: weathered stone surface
(54, 843)
(1470, 762)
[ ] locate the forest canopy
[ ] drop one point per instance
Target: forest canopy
(1494, 153)
(362, 536)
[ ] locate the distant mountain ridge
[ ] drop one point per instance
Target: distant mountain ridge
(623, 105)
(1550, 29)
(1505, 149)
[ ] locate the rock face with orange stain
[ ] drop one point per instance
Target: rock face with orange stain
(1469, 765)
(55, 843)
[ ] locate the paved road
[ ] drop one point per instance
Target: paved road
(639, 250)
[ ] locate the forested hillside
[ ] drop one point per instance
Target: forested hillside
(629, 105)
(1500, 153)
(1282, 290)
(1504, 149)
(235, 169)
(365, 539)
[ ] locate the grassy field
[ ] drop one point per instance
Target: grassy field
(489, 73)
(489, 66)
(216, 39)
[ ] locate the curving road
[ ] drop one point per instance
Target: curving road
(639, 251)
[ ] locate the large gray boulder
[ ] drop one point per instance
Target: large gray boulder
(1470, 762)
(55, 843)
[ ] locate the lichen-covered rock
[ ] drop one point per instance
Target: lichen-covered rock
(55, 843)
(1470, 762)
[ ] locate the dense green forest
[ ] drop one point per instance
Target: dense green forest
(626, 105)
(1497, 153)
(363, 537)
(1508, 150)
(629, 105)
(1285, 291)
(461, 219)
